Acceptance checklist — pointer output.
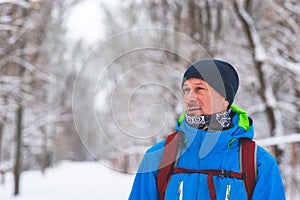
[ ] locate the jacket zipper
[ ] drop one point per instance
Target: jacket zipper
(180, 189)
(227, 196)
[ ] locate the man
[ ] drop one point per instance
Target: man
(212, 129)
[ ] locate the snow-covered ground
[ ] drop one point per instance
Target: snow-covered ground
(70, 181)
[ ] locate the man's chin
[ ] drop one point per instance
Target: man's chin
(194, 113)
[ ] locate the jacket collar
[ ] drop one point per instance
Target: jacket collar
(207, 142)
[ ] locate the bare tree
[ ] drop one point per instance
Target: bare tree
(259, 59)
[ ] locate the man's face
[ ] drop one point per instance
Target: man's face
(201, 99)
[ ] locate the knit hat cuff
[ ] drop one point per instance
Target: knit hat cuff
(218, 74)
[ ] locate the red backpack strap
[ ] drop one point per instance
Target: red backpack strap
(248, 165)
(168, 162)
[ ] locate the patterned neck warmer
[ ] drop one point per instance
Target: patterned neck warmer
(216, 122)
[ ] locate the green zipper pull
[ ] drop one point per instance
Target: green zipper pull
(230, 143)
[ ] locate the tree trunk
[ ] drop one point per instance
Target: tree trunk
(259, 57)
(1, 134)
(18, 161)
(2, 172)
(293, 183)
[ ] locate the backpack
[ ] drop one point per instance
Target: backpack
(169, 160)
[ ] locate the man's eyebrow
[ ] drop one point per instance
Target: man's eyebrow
(200, 83)
(185, 85)
(197, 83)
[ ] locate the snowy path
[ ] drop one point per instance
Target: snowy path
(70, 181)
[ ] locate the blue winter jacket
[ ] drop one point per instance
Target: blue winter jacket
(209, 150)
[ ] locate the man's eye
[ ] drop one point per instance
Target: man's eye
(186, 90)
(200, 88)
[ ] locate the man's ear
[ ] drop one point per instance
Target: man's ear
(227, 104)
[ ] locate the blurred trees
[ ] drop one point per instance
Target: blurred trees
(137, 91)
(35, 85)
(261, 39)
(273, 41)
(22, 27)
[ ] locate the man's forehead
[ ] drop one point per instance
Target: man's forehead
(194, 81)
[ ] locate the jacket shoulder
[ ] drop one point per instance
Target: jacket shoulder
(156, 147)
(264, 157)
(152, 158)
(269, 183)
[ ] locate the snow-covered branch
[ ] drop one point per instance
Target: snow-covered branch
(259, 51)
(279, 61)
(50, 118)
(5, 27)
(258, 108)
(21, 3)
(7, 108)
(292, 8)
(5, 19)
(285, 16)
(40, 74)
(10, 79)
(261, 108)
(7, 88)
(291, 107)
(260, 57)
(291, 138)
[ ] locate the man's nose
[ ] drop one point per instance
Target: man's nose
(191, 96)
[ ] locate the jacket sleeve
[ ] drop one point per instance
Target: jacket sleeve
(144, 186)
(269, 183)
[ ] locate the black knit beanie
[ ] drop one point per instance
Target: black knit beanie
(218, 74)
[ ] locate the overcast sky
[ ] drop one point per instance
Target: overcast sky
(85, 21)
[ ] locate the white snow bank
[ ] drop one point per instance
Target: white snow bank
(70, 180)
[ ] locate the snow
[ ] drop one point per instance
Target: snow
(70, 180)
(83, 180)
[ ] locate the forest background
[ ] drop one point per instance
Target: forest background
(107, 93)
